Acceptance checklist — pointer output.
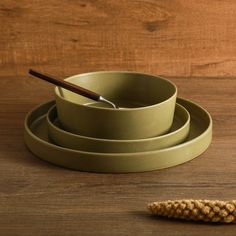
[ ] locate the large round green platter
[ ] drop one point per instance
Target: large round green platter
(36, 138)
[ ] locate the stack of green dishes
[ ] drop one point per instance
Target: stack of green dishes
(153, 130)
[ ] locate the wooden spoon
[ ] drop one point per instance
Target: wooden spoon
(72, 87)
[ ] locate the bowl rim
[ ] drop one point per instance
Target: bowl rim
(58, 129)
(174, 95)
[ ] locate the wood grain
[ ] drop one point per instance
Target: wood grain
(173, 38)
(191, 42)
(37, 198)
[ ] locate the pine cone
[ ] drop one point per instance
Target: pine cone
(197, 210)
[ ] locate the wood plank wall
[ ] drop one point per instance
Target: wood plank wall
(185, 38)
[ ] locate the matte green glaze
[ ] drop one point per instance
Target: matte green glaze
(36, 138)
(152, 98)
(177, 134)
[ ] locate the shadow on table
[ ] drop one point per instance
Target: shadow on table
(161, 219)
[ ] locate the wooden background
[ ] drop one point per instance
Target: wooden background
(192, 42)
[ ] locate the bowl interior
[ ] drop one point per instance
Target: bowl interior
(126, 89)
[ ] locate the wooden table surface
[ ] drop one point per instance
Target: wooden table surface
(190, 42)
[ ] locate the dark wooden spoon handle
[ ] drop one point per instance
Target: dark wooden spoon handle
(64, 84)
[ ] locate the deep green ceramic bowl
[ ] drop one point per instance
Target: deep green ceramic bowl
(177, 134)
(149, 101)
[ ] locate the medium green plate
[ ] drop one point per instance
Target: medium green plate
(36, 138)
(177, 134)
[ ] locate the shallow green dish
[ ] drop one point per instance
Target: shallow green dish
(152, 99)
(177, 134)
(36, 138)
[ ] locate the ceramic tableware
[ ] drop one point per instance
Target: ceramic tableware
(177, 134)
(36, 138)
(149, 103)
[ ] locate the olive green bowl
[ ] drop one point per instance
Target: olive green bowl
(198, 140)
(178, 133)
(149, 103)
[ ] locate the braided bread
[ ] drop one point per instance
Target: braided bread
(197, 210)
